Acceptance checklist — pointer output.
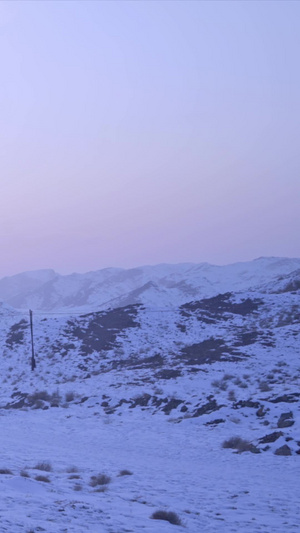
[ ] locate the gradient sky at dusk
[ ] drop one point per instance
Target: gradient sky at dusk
(137, 132)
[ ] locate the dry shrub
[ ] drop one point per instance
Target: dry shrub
(72, 469)
(55, 398)
(169, 516)
(44, 466)
(240, 383)
(70, 396)
(100, 479)
(264, 386)
(220, 384)
(39, 395)
(5, 471)
(231, 396)
(101, 489)
(241, 445)
(125, 473)
(45, 479)
(226, 377)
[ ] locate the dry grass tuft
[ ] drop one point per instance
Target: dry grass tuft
(44, 466)
(100, 479)
(5, 471)
(45, 479)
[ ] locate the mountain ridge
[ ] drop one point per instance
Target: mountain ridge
(161, 285)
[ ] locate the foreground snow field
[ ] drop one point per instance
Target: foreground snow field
(175, 466)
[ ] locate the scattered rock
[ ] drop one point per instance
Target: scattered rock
(142, 401)
(206, 409)
(285, 420)
(283, 450)
(215, 422)
(261, 412)
(287, 398)
(272, 437)
(172, 404)
(266, 448)
(168, 373)
(18, 402)
(84, 399)
(246, 403)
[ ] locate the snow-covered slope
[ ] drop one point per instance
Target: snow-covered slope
(160, 285)
(20, 285)
(185, 352)
(284, 283)
(192, 409)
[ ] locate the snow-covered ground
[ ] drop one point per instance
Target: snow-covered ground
(176, 467)
(163, 393)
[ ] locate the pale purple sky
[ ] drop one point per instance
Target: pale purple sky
(137, 132)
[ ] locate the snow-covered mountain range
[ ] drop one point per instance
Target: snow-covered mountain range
(192, 384)
(161, 285)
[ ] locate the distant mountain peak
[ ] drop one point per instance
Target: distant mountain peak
(163, 285)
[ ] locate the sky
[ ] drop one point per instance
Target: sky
(144, 132)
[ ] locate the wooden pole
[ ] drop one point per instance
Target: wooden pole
(33, 363)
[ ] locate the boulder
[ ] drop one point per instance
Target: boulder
(272, 437)
(283, 450)
(286, 420)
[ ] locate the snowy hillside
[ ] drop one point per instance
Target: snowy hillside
(191, 408)
(160, 285)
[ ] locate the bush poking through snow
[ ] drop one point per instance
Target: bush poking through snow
(125, 473)
(240, 383)
(231, 396)
(72, 470)
(38, 395)
(45, 467)
(55, 399)
(264, 386)
(70, 396)
(241, 445)
(45, 479)
(24, 473)
(77, 487)
(169, 516)
(5, 471)
(37, 399)
(227, 377)
(100, 479)
(220, 384)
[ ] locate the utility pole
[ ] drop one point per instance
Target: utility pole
(33, 363)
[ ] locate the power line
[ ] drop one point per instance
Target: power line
(90, 311)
